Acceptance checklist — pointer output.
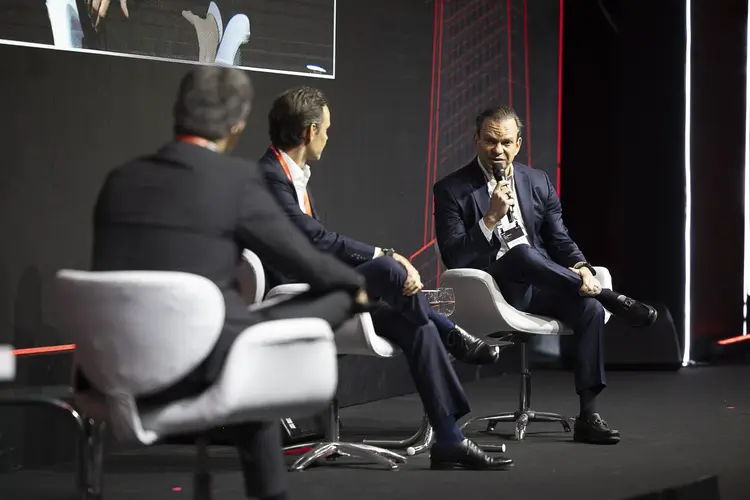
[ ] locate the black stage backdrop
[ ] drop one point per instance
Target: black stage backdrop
(410, 77)
(623, 152)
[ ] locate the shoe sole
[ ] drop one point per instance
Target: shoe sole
(613, 440)
(460, 466)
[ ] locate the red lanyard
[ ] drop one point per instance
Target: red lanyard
(198, 141)
(280, 157)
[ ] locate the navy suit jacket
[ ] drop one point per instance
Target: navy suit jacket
(347, 250)
(462, 199)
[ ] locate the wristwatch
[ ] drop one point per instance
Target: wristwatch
(388, 252)
(587, 265)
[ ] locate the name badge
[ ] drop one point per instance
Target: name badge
(513, 235)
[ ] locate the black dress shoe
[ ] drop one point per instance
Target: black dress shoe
(594, 430)
(637, 314)
(469, 349)
(465, 455)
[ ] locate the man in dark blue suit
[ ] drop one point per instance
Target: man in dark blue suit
(502, 217)
(298, 127)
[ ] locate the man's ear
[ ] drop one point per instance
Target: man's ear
(309, 134)
(238, 128)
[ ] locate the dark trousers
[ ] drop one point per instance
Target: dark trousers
(532, 283)
(258, 443)
(407, 323)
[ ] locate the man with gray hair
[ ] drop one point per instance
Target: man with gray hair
(191, 207)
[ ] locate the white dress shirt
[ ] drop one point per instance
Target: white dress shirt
(300, 178)
(503, 223)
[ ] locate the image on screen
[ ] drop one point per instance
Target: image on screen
(277, 36)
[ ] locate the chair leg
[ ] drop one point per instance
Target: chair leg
(332, 447)
(424, 444)
(391, 455)
(321, 450)
(415, 444)
(202, 482)
(91, 458)
(524, 415)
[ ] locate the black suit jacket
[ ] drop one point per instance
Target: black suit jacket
(346, 249)
(462, 199)
(189, 209)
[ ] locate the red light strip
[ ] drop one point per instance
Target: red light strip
(30, 351)
(432, 115)
(734, 340)
(428, 245)
(437, 107)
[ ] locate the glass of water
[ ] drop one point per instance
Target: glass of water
(442, 300)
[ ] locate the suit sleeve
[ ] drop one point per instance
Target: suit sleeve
(351, 251)
(458, 244)
(557, 242)
(265, 229)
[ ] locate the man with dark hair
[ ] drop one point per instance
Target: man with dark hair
(502, 217)
(298, 122)
(190, 207)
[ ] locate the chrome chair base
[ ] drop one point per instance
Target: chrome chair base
(421, 441)
(416, 444)
(332, 447)
(522, 420)
(333, 450)
(524, 415)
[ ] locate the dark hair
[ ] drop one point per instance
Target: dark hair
(212, 100)
(292, 112)
(498, 114)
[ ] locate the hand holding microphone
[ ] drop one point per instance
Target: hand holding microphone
(501, 201)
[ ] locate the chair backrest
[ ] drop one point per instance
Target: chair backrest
(137, 332)
(252, 278)
(7, 363)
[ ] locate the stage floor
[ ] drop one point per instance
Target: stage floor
(676, 428)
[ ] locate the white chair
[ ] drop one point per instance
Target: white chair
(356, 336)
(7, 363)
(236, 34)
(65, 23)
(139, 332)
(482, 310)
(252, 278)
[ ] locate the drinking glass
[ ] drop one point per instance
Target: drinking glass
(447, 301)
(442, 300)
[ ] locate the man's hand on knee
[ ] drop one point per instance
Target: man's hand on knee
(590, 286)
(413, 283)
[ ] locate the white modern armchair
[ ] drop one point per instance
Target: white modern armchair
(482, 310)
(140, 332)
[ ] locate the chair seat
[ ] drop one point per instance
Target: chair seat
(275, 369)
(356, 336)
(487, 312)
(7, 363)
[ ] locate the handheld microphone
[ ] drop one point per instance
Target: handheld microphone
(498, 172)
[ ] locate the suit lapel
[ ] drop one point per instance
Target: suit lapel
(270, 154)
(480, 193)
(523, 191)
